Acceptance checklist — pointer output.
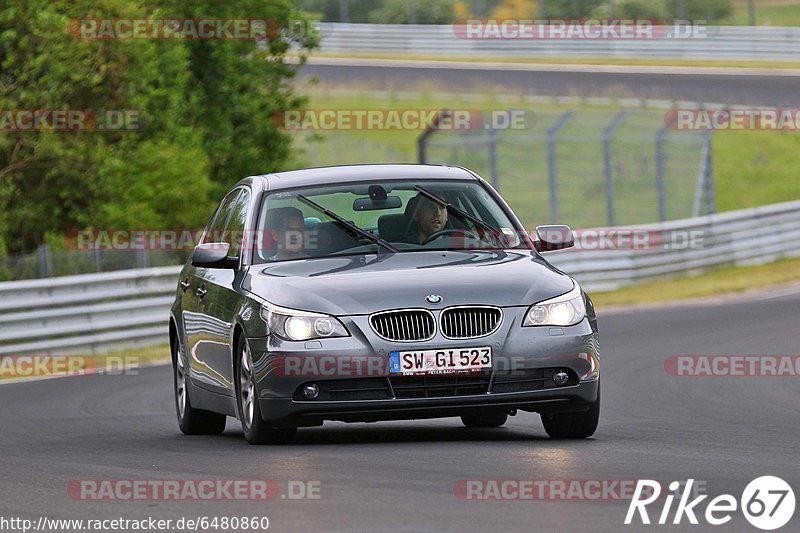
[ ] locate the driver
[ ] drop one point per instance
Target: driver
(287, 228)
(427, 218)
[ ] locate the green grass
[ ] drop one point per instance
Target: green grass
(751, 167)
(768, 13)
(713, 283)
(587, 60)
(755, 168)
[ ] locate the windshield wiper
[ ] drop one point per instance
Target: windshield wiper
(475, 220)
(349, 225)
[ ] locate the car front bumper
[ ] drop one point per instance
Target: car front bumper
(291, 413)
(524, 359)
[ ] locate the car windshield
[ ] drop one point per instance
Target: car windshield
(382, 217)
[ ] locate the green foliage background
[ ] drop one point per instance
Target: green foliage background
(447, 11)
(205, 116)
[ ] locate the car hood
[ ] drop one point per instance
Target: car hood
(359, 285)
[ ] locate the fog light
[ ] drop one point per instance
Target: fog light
(311, 391)
(560, 378)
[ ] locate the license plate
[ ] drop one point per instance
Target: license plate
(448, 361)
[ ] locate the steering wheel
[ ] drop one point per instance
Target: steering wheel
(442, 233)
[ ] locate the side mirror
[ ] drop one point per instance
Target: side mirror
(555, 237)
(213, 255)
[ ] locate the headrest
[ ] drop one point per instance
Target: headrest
(393, 227)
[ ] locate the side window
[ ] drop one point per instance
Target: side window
(215, 230)
(235, 230)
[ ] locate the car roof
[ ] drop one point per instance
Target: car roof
(361, 173)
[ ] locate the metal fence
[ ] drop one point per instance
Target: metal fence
(752, 236)
(45, 262)
(598, 166)
(588, 168)
(718, 43)
(100, 312)
(342, 148)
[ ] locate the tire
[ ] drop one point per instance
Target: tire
(578, 425)
(484, 420)
(256, 430)
(191, 421)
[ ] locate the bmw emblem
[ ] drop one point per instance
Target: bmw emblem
(433, 298)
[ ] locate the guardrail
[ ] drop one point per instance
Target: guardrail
(736, 238)
(720, 43)
(86, 313)
(102, 312)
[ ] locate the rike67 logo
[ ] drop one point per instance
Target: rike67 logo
(767, 503)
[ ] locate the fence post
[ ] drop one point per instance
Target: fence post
(422, 140)
(493, 173)
(412, 12)
(344, 12)
(45, 263)
(708, 179)
(551, 163)
(660, 161)
(607, 133)
(142, 258)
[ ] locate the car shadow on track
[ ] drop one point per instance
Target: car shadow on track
(406, 433)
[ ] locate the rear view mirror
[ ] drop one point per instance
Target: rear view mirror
(374, 204)
(213, 255)
(555, 237)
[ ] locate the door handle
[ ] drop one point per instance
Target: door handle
(184, 284)
(200, 291)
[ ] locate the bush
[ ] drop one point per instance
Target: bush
(640, 9)
(708, 10)
(204, 111)
(570, 9)
(423, 11)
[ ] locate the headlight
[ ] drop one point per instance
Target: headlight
(296, 325)
(565, 310)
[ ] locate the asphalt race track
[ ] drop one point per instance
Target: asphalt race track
(400, 476)
(756, 87)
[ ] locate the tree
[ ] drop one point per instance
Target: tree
(422, 12)
(481, 8)
(570, 9)
(204, 111)
(640, 9)
(333, 10)
(708, 10)
(510, 9)
(240, 88)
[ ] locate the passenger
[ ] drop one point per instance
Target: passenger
(287, 228)
(427, 218)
